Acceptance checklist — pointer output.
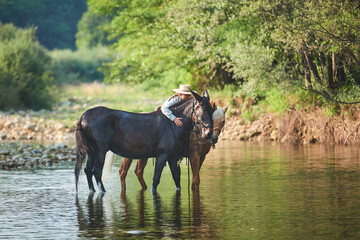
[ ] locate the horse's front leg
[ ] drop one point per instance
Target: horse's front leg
(175, 171)
(159, 166)
(139, 171)
(123, 172)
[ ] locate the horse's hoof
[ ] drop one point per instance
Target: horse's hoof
(153, 190)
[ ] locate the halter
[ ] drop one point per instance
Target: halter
(216, 128)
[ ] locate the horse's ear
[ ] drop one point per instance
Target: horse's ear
(226, 108)
(197, 96)
(206, 95)
(214, 106)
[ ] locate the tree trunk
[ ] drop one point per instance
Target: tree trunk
(330, 72)
(341, 71)
(312, 67)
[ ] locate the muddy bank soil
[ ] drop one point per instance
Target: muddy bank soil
(303, 126)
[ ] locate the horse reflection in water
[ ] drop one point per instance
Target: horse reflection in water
(134, 135)
(155, 217)
(198, 149)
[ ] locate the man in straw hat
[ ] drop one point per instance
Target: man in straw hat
(182, 93)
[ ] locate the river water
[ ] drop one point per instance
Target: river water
(247, 191)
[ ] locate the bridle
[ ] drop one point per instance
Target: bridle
(197, 118)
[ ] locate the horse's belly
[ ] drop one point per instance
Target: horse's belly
(134, 149)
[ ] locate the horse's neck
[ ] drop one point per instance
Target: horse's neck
(185, 108)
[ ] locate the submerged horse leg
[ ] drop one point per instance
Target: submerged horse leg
(88, 171)
(175, 171)
(159, 166)
(139, 171)
(195, 168)
(123, 172)
(97, 169)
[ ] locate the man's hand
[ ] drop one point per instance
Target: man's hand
(178, 122)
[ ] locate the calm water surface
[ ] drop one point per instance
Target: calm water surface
(247, 191)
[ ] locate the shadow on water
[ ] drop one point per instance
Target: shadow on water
(151, 217)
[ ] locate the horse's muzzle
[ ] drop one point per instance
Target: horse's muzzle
(207, 135)
(214, 139)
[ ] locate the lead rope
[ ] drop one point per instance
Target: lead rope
(187, 162)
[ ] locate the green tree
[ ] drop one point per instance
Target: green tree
(320, 39)
(257, 45)
(142, 54)
(56, 20)
(90, 31)
(24, 79)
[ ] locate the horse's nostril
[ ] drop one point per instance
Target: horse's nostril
(207, 135)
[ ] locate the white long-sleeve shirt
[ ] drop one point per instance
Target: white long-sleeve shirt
(165, 107)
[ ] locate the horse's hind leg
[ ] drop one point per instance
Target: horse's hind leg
(159, 166)
(175, 171)
(89, 171)
(97, 169)
(139, 171)
(123, 172)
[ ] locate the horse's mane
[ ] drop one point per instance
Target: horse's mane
(180, 106)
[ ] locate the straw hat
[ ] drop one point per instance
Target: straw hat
(183, 89)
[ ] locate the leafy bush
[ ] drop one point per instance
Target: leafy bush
(276, 100)
(24, 77)
(78, 66)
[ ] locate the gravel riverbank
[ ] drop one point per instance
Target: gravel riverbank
(20, 154)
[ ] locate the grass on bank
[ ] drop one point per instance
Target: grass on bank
(74, 100)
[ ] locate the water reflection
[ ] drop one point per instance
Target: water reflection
(98, 217)
(247, 191)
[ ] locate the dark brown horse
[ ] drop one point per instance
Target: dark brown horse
(134, 135)
(198, 149)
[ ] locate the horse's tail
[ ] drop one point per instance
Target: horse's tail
(83, 147)
(109, 160)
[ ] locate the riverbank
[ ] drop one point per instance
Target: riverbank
(56, 130)
(308, 126)
(21, 154)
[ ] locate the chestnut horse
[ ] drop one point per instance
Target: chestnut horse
(134, 135)
(198, 149)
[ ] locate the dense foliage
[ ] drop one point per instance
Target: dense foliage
(90, 31)
(257, 45)
(24, 77)
(71, 67)
(56, 20)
